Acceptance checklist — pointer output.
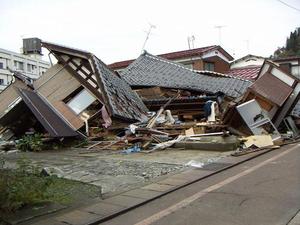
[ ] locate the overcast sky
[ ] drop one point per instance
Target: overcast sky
(115, 30)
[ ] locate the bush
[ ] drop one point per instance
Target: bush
(30, 143)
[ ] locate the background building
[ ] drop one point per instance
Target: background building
(30, 63)
(289, 64)
(210, 58)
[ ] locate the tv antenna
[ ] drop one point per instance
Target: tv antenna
(219, 27)
(151, 26)
(191, 40)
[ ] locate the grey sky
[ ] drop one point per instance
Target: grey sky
(115, 30)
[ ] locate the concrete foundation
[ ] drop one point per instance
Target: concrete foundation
(216, 143)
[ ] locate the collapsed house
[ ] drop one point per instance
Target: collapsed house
(152, 104)
(276, 92)
(157, 80)
(76, 93)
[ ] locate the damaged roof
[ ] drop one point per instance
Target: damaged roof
(272, 88)
(112, 91)
(46, 115)
(149, 70)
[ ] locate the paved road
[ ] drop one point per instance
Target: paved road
(263, 191)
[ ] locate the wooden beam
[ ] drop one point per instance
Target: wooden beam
(88, 76)
(81, 79)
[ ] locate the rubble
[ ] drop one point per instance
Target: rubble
(152, 105)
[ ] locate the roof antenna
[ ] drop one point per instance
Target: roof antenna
(219, 27)
(191, 40)
(148, 34)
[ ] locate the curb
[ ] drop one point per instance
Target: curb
(90, 217)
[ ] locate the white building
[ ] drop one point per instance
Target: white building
(30, 65)
(246, 61)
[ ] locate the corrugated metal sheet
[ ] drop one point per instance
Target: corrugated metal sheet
(149, 70)
(46, 115)
(271, 88)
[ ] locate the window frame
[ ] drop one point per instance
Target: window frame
(73, 99)
(209, 66)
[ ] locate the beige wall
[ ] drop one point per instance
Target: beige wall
(55, 85)
(9, 95)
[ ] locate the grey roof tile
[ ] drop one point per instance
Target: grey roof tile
(124, 102)
(150, 70)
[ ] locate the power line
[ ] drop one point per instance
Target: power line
(288, 5)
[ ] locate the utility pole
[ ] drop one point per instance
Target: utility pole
(148, 34)
(219, 27)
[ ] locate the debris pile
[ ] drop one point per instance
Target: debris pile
(153, 104)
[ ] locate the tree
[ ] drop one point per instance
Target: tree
(292, 46)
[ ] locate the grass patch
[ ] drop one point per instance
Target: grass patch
(26, 186)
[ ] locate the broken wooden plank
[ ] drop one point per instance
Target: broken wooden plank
(160, 111)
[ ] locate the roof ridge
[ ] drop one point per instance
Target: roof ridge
(247, 67)
(158, 58)
(147, 54)
(66, 46)
(187, 50)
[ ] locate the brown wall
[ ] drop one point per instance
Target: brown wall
(221, 66)
(198, 65)
(55, 85)
(286, 67)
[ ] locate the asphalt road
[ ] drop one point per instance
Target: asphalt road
(262, 191)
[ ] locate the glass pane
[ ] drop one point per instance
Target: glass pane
(81, 101)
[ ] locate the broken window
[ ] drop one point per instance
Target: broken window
(81, 101)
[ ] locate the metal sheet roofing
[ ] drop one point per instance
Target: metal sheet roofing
(149, 70)
(270, 87)
(248, 73)
(46, 115)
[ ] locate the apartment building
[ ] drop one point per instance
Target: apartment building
(30, 65)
